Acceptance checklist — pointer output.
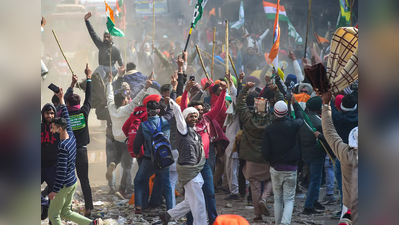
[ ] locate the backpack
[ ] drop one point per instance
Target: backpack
(138, 116)
(161, 150)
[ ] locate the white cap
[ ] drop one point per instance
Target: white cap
(280, 109)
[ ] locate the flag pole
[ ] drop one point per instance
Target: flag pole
(352, 1)
(188, 38)
(213, 51)
(110, 54)
(153, 22)
(227, 50)
(307, 28)
(202, 62)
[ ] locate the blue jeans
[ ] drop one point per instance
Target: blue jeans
(330, 177)
(212, 158)
(109, 150)
(122, 156)
(146, 170)
(316, 170)
(338, 176)
(157, 191)
(209, 193)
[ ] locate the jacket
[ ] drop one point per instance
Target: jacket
(136, 81)
(79, 119)
(222, 115)
(344, 122)
(345, 154)
(163, 76)
(49, 141)
(280, 145)
(253, 128)
(104, 51)
(308, 142)
(121, 114)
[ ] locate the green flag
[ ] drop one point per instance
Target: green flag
(292, 33)
(199, 9)
(344, 18)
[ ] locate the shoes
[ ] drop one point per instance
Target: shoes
(328, 199)
(232, 197)
(310, 211)
(98, 221)
(137, 211)
(318, 206)
(110, 170)
(337, 216)
(224, 190)
(88, 213)
(250, 203)
(263, 207)
(165, 217)
(120, 194)
(112, 190)
(258, 219)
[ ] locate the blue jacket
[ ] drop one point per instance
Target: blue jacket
(147, 135)
(136, 82)
(344, 122)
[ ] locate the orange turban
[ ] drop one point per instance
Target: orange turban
(156, 98)
(230, 220)
(178, 100)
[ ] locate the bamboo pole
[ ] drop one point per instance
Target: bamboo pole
(227, 50)
(352, 1)
(213, 51)
(59, 45)
(153, 22)
(110, 54)
(202, 62)
(209, 55)
(124, 37)
(307, 29)
(62, 51)
(232, 65)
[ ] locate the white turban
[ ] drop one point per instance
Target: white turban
(353, 137)
(188, 111)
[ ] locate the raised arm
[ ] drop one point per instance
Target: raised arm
(163, 59)
(96, 39)
(220, 103)
(87, 103)
(264, 34)
(180, 121)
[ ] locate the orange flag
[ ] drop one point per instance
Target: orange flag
(273, 55)
(319, 39)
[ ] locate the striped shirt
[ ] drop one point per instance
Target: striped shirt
(66, 157)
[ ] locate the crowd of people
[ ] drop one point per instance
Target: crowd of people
(251, 135)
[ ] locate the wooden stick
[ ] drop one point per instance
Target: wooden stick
(227, 50)
(232, 65)
(352, 1)
(209, 55)
(59, 45)
(153, 22)
(213, 50)
(307, 29)
(202, 62)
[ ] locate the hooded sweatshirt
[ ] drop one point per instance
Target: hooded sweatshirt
(49, 149)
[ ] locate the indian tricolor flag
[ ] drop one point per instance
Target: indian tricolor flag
(271, 9)
(273, 55)
(111, 22)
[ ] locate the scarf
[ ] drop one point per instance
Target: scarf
(187, 173)
(73, 108)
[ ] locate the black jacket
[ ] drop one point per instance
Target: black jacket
(49, 146)
(308, 142)
(79, 120)
(280, 145)
(103, 54)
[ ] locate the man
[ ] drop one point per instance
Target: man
(104, 51)
(131, 52)
(79, 123)
(145, 57)
(66, 182)
(256, 169)
(166, 68)
(203, 127)
(49, 149)
(147, 169)
(190, 162)
(344, 121)
(347, 153)
(135, 79)
(119, 111)
(279, 147)
(313, 155)
(232, 123)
